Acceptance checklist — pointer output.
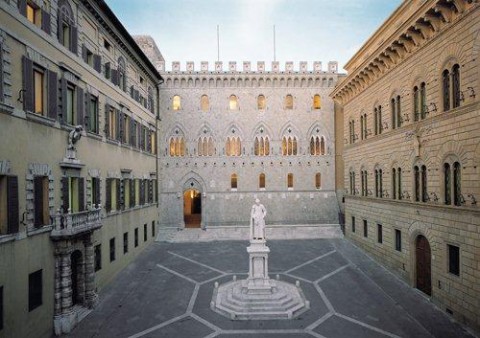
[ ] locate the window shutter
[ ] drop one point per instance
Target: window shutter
(22, 7)
(59, 27)
(132, 132)
(80, 106)
(121, 124)
(117, 121)
(46, 22)
(132, 92)
(52, 94)
(12, 204)
(88, 107)
(107, 126)
(119, 195)
(139, 133)
(137, 95)
(114, 77)
(97, 63)
(38, 200)
(81, 194)
(84, 53)
(27, 84)
(74, 40)
(65, 194)
(98, 191)
(108, 195)
(63, 86)
(132, 193)
(142, 192)
(149, 141)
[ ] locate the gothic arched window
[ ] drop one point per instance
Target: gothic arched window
(317, 102)
(261, 181)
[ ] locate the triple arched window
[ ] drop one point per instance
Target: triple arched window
(352, 182)
(206, 146)
(377, 118)
(177, 146)
(451, 88)
(363, 127)
(397, 183)
(364, 182)
(396, 108)
(233, 146)
(378, 182)
(317, 145)
(289, 145)
(261, 146)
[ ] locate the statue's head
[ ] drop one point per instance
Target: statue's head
(257, 201)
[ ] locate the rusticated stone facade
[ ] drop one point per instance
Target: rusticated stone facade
(411, 121)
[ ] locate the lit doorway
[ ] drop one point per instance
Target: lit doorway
(423, 265)
(192, 208)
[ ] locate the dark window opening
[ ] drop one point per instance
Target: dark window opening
(35, 287)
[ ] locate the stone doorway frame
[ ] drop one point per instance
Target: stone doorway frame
(420, 229)
(193, 181)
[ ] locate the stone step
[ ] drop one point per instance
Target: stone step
(274, 232)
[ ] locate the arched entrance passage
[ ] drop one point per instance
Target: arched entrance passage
(192, 208)
(423, 264)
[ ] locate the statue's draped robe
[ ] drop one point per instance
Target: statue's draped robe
(258, 215)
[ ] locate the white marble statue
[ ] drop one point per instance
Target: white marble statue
(257, 221)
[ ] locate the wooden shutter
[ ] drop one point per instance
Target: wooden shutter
(12, 204)
(88, 107)
(132, 193)
(22, 7)
(84, 53)
(74, 40)
(137, 95)
(65, 194)
(27, 84)
(118, 122)
(114, 77)
(63, 86)
(132, 132)
(121, 125)
(46, 22)
(38, 200)
(59, 26)
(119, 194)
(132, 92)
(81, 194)
(80, 106)
(97, 190)
(139, 132)
(142, 192)
(108, 194)
(97, 63)
(107, 125)
(52, 94)
(149, 141)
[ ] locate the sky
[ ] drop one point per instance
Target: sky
(305, 30)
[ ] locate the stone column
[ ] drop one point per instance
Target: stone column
(66, 282)
(57, 287)
(91, 297)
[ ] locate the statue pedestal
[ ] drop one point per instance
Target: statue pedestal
(258, 297)
(258, 281)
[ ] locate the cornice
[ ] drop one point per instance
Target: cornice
(431, 19)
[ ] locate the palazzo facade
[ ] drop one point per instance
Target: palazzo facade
(410, 112)
(73, 212)
(229, 136)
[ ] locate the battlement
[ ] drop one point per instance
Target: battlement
(218, 67)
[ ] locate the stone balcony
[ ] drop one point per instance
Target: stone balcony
(67, 225)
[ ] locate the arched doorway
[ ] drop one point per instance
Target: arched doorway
(192, 208)
(76, 260)
(423, 265)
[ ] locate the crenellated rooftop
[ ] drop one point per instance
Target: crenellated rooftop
(232, 67)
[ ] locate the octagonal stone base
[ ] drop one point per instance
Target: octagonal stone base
(282, 301)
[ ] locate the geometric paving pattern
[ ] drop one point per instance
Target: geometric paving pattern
(167, 291)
